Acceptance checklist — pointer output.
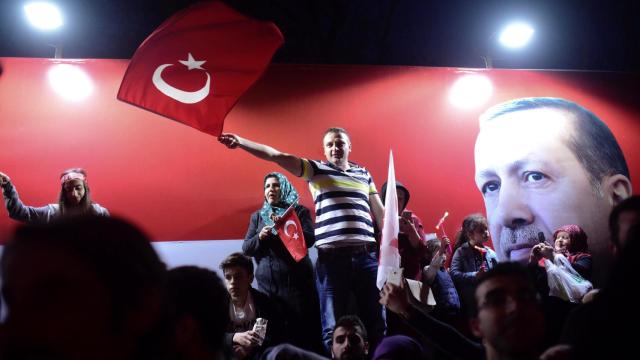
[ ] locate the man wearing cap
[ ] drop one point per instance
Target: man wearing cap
(411, 238)
(75, 199)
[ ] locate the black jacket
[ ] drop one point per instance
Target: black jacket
(265, 308)
(278, 273)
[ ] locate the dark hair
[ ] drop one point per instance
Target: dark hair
(592, 143)
(469, 225)
(85, 202)
(507, 268)
(200, 293)
(433, 245)
(237, 259)
(352, 322)
(630, 204)
(118, 253)
(336, 130)
(399, 186)
(577, 236)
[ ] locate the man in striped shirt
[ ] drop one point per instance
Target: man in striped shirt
(345, 198)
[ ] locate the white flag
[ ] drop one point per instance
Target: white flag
(389, 253)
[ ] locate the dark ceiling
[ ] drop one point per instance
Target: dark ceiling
(587, 35)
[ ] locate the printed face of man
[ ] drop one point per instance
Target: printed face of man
(532, 182)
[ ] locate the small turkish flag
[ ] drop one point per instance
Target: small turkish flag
(290, 231)
(195, 66)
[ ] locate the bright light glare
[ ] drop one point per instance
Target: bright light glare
(516, 35)
(470, 91)
(70, 82)
(43, 15)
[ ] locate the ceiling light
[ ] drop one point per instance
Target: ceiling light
(43, 15)
(516, 35)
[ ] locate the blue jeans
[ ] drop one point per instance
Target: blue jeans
(341, 273)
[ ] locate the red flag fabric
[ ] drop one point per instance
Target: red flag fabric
(195, 66)
(290, 231)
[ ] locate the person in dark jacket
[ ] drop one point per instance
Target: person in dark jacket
(243, 340)
(289, 282)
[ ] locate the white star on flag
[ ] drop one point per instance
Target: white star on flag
(191, 63)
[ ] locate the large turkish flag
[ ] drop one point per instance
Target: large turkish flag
(196, 65)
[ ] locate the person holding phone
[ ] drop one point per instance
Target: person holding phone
(411, 238)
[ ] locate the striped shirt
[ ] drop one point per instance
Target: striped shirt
(341, 200)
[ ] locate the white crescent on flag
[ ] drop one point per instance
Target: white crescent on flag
(185, 97)
(286, 229)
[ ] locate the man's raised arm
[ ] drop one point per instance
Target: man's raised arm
(289, 162)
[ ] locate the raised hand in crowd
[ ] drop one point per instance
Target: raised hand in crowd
(4, 178)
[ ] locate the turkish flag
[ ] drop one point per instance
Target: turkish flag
(290, 232)
(195, 66)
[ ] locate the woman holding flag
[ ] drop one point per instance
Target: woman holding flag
(284, 270)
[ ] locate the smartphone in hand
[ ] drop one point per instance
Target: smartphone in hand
(395, 276)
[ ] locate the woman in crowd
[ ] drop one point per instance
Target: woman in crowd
(289, 283)
(571, 241)
(75, 199)
(567, 263)
(470, 258)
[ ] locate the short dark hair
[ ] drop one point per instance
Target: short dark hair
(336, 130)
(507, 268)
(200, 293)
(352, 322)
(237, 259)
(593, 143)
(630, 204)
(399, 186)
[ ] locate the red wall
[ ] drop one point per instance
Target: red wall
(180, 184)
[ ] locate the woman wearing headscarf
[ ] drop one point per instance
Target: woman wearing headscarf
(74, 200)
(570, 241)
(288, 282)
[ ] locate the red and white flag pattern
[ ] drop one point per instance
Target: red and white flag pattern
(195, 66)
(389, 253)
(290, 232)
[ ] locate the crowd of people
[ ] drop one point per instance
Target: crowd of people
(93, 287)
(79, 284)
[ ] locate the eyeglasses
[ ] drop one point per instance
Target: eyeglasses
(499, 297)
